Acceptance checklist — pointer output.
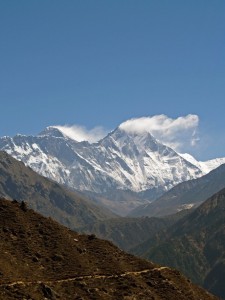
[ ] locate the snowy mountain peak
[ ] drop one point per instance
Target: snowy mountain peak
(123, 160)
(52, 131)
(122, 138)
(132, 134)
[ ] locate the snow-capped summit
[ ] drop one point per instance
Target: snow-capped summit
(122, 137)
(123, 160)
(144, 162)
(52, 131)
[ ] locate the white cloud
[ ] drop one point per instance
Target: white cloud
(179, 133)
(81, 133)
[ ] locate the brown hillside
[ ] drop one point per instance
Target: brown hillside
(41, 259)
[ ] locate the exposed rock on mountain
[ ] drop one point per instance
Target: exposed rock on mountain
(41, 259)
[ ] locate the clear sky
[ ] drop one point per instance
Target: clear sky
(99, 63)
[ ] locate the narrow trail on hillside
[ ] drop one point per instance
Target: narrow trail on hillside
(96, 276)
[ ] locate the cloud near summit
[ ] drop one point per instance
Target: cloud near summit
(81, 133)
(177, 133)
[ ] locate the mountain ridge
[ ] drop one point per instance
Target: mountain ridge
(120, 161)
(194, 245)
(188, 194)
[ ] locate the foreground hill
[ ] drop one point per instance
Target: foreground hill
(41, 259)
(188, 194)
(45, 196)
(195, 245)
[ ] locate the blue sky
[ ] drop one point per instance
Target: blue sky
(99, 63)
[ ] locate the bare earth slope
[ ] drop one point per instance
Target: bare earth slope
(41, 259)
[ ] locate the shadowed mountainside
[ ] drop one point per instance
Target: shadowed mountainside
(45, 196)
(195, 245)
(127, 233)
